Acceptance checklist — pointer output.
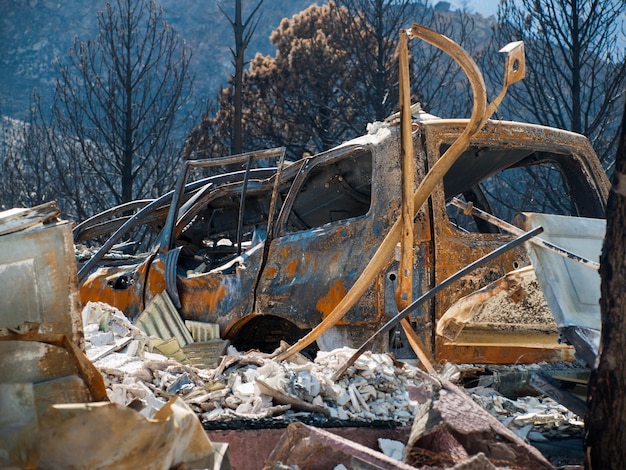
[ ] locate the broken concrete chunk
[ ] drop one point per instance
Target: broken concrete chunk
(102, 338)
(182, 383)
(308, 448)
(451, 424)
(391, 448)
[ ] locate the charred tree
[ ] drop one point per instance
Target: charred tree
(293, 99)
(575, 72)
(243, 31)
(117, 102)
(334, 71)
(605, 432)
(24, 181)
(371, 35)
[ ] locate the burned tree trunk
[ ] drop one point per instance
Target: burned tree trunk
(243, 31)
(605, 432)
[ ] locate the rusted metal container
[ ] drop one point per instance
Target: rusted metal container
(38, 272)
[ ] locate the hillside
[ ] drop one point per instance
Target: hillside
(34, 32)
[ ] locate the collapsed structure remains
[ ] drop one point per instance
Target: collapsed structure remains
(323, 253)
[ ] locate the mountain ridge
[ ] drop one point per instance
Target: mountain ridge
(34, 32)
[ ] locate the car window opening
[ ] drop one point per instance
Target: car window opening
(506, 182)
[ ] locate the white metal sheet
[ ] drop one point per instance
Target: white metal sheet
(571, 289)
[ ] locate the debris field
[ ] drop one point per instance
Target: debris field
(248, 390)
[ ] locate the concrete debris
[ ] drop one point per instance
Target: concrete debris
(537, 418)
(449, 428)
(392, 448)
(253, 386)
(307, 448)
(247, 386)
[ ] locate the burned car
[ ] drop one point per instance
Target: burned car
(267, 252)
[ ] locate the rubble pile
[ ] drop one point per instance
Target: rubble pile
(253, 386)
(532, 418)
(531, 415)
(245, 386)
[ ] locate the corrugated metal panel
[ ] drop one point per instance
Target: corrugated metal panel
(201, 331)
(161, 319)
(206, 354)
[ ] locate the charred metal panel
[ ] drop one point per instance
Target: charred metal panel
(170, 262)
(120, 286)
(308, 271)
(307, 274)
(486, 346)
(508, 349)
(38, 279)
(422, 318)
(455, 250)
(498, 149)
(18, 425)
(23, 362)
(223, 295)
(586, 341)
(38, 291)
(67, 389)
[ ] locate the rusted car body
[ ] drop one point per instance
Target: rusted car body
(267, 252)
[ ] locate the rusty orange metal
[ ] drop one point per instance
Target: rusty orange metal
(521, 350)
(110, 284)
(284, 248)
(292, 267)
(326, 231)
(335, 294)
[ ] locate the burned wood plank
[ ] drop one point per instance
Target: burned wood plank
(283, 398)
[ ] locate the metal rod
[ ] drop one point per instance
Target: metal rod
(517, 231)
(242, 204)
(271, 221)
(435, 290)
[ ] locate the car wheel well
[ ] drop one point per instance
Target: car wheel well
(265, 332)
